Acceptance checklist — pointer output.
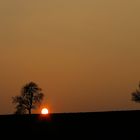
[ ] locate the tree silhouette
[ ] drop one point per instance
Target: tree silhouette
(136, 95)
(31, 96)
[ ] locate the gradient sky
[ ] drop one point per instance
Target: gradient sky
(84, 54)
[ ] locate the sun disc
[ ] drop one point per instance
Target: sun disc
(44, 111)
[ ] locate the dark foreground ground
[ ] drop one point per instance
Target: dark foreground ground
(99, 125)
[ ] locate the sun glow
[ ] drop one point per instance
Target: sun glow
(44, 111)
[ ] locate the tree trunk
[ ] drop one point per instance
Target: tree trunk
(29, 111)
(31, 102)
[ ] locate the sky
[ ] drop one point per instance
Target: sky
(84, 54)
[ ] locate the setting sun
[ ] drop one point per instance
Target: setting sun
(44, 111)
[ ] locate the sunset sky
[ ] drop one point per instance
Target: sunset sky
(84, 54)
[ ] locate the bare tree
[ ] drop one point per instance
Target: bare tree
(31, 96)
(136, 95)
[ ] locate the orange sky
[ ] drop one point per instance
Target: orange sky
(84, 54)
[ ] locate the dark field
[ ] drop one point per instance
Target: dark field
(99, 125)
